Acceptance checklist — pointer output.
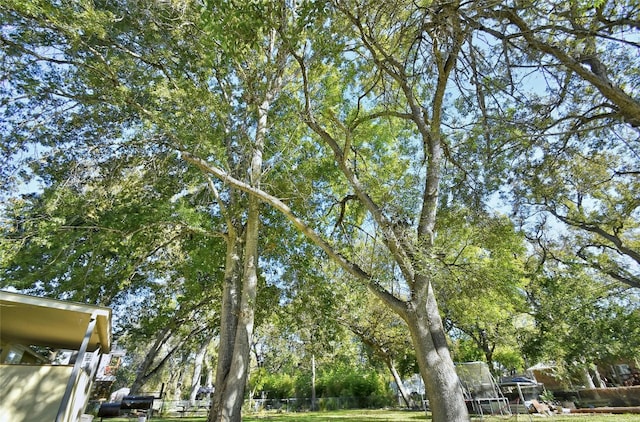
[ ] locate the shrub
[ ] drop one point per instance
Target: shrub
(277, 386)
(364, 388)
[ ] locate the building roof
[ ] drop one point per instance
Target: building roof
(30, 320)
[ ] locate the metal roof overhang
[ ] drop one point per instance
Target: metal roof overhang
(30, 320)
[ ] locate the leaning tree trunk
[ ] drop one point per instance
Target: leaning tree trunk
(197, 370)
(398, 380)
(586, 377)
(599, 381)
(144, 368)
(388, 360)
(177, 392)
(446, 400)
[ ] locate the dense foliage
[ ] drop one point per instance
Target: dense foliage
(201, 166)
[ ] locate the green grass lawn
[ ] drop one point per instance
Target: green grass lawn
(388, 416)
(413, 416)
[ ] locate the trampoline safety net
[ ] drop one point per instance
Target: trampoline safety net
(480, 389)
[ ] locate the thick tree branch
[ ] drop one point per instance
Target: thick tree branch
(392, 240)
(351, 267)
(594, 228)
(613, 271)
(628, 107)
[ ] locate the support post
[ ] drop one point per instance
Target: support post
(77, 367)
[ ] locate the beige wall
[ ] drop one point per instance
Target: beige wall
(31, 393)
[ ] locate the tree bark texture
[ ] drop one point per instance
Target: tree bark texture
(234, 384)
(228, 321)
(446, 400)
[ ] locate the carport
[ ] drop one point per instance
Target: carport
(33, 391)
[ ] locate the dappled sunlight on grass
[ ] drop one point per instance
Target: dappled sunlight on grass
(412, 416)
(389, 416)
(345, 415)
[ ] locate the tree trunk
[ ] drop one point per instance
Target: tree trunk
(600, 382)
(209, 376)
(177, 395)
(235, 382)
(313, 382)
(228, 319)
(421, 314)
(197, 370)
(398, 380)
(586, 378)
(446, 400)
(176, 378)
(487, 348)
(231, 395)
(142, 371)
